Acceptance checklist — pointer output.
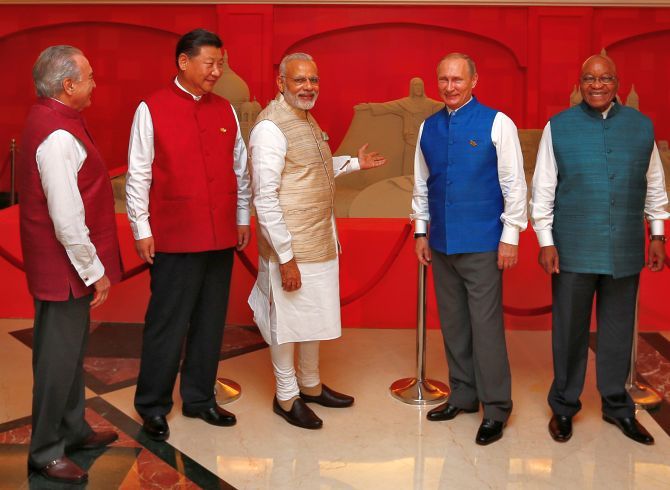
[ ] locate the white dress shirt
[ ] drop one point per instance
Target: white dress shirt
(59, 158)
(545, 180)
(140, 160)
(512, 180)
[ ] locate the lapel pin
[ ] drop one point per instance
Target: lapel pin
(324, 136)
(223, 130)
(473, 143)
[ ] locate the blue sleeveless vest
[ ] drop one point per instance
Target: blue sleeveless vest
(599, 206)
(464, 197)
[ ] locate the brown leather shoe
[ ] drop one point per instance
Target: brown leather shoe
(300, 414)
(329, 398)
(62, 470)
(95, 441)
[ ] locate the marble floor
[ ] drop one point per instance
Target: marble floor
(379, 443)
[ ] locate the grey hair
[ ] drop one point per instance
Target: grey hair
(292, 57)
(471, 64)
(53, 65)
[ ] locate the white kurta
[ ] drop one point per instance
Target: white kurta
(313, 311)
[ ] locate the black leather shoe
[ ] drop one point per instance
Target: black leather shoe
(560, 427)
(446, 412)
(631, 428)
(300, 414)
(329, 398)
(489, 431)
(95, 441)
(156, 427)
(62, 470)
(213, 415)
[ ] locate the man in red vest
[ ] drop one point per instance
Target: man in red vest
(71, 254)
(188, 199)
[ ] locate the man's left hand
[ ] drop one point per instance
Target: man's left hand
(243, 234)
(369, 160)
(656, 259)
(507, 255)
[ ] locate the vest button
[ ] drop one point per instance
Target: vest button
(614, 228)
(609, 150)
(612, 202)
(611, 176)
(448, 182)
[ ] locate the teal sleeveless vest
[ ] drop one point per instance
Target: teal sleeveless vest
(599, 206)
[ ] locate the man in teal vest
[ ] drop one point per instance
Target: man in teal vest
(598, 175)
(470, 186)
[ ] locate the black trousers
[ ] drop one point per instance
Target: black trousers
(59, 341)
(572, 295)
(468, 289)
(187, 309)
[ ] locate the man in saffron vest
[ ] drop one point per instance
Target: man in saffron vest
(71, 254)
(296, 296)
(469, 185)
(598, 175)
(188, 198)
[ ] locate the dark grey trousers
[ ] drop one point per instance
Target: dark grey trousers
(572, 295)
(468, 288)
(187, 309)
(59, 342)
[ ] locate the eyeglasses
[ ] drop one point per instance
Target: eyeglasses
(302, 80)
(605, 79)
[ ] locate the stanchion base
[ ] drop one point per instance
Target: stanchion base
(426, 392)
(226, 391)
(644, 396)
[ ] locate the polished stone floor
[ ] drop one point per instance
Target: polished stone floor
(379, 443)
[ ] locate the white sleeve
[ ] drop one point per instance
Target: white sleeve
(505, 138)
(138, 179)
(545, 180)
(421, 215)
(344, 164)
(657, 197)
(242, 174)
(268, 146)
(59, 159)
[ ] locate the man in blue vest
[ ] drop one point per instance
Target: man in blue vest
(469, 185)
(598, 174)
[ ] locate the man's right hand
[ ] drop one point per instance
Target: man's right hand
(290, 276)
(102, 287)
(145, 249)
(548, 259)
(422, 250)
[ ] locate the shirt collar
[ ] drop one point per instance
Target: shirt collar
(450, 111)
(195, 97)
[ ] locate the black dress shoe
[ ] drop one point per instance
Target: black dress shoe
(300, 414)
(631, 428)
(62, 470)
(489, 431)
(156, 427)
(560, 427)
(213, 415)
(329, 398)
(446, 412)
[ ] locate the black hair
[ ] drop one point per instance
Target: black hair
(191, 42)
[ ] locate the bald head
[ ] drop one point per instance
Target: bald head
(598, 82)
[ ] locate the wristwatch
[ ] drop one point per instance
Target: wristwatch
(660, 238)
(419, 235)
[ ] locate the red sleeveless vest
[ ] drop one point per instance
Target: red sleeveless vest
(193, 196)
(51, 275)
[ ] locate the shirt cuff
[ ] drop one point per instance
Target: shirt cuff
(353, 165)
(657, 227)
(544, 238)
(92, 273)
(510, 235)
(285, 257)
(141, 230)
(243, 217)
(420, 226)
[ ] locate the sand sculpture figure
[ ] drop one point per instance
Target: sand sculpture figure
(413, 110)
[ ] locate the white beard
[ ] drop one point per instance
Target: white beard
(295, 101)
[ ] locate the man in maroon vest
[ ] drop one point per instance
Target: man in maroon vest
(71, 254)
(188, 198)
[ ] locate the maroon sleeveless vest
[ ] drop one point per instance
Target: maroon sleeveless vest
(51, 275)
(193, 196)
